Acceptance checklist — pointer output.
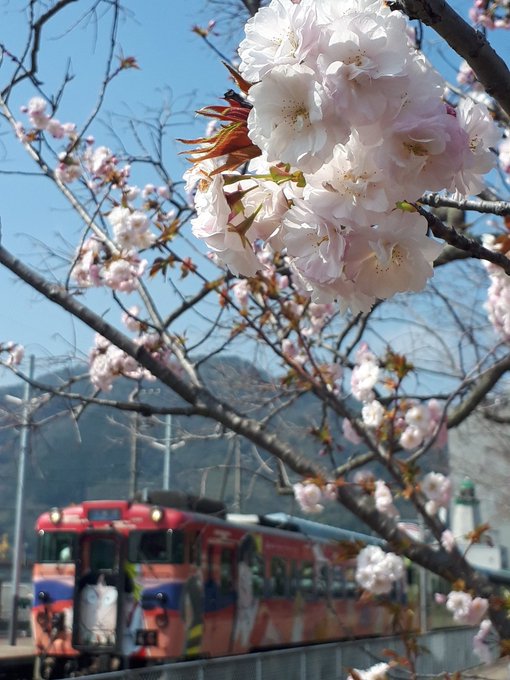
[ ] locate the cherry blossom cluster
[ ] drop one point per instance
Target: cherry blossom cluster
(490, 13)
(383, 499)
(504, 155)
(94, 266)
(470, 611)
(413, 423)
(40, 120)
(14, 352)
(352, 128)
(465, 609)
(311, 497)
(466, 77)
(448, 541)
(497, 304)
(480, 642)
(114, 262)
(437, 488)
(108, 362)
(377, 571)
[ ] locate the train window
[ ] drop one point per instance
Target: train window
(322, 581)
(156, 547)
(294, 578)
(103, 554)
(56, 546)
(194, 548)
(306, 581)
(351, 589)
(227, 570)
(278, 577)
(338, 583)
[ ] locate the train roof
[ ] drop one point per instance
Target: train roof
(214, 512)
(318, 530)
(304, 527)
(501, 576)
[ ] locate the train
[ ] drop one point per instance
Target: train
(168, 576)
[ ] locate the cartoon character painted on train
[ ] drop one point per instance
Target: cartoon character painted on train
(98, 613)
(247, 600)
(192, 614)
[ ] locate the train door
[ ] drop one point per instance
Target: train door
(100, 584)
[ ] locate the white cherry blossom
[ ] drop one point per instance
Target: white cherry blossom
(281, 33)
(377, 571)
(292, 119)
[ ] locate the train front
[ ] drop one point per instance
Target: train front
(87, 614)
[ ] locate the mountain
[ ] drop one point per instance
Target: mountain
(91, 458)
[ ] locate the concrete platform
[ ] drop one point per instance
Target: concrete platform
(24, 648)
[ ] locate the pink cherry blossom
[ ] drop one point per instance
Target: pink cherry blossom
(292, 120)
(410, 438)
(378, 671)
(448, 540)
(349, 432)
(123, 273)
(372, 413)
(309, 497)
(465, 609)
(277, 34)
(394, 256)
(68, 169)
(15, 353)
(377, 571)
(363, 379)
(130, 319)
(480, 645)
(383, 499)
(438, 488)
(36, 111)
(341, 94)
(504, 154)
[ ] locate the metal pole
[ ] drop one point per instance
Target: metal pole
(237, 477)
(133, 462)
(18, 523)
(168, 452)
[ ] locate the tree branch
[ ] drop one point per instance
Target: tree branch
(479, 391)
(470, 44)
(470, 246)
(205, 404)
(500, 208)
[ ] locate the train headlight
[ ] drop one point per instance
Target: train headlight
(156, 514)
(55, 515)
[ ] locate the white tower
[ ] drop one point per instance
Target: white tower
(465, 519)
(466, 510)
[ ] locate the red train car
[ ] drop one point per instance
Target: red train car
(169, 576)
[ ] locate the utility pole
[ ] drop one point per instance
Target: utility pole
(133, 462)
(237, 476)
(24, 437)
(168, 452)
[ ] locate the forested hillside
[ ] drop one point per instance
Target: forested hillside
(90, 457)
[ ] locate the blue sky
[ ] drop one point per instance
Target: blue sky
(175, 66)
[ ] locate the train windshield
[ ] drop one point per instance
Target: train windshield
(56, 546)
(160, 546)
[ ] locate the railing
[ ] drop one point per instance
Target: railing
(447, 650)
